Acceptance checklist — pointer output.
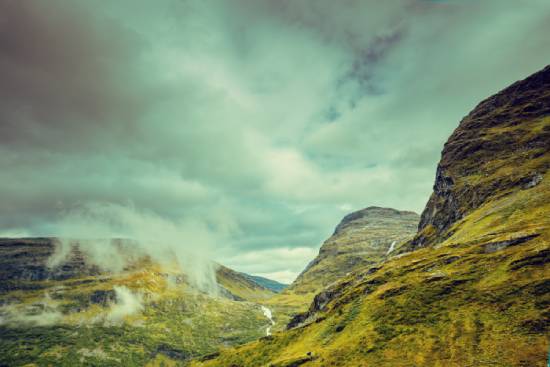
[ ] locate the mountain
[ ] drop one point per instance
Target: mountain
(78, 314)
(270, 284)
(472, 288)
(241, 286)
(361, 239)
(499, 150)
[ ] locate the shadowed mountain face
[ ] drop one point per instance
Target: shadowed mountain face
(474, 288)
(361, 239)
(499, 148)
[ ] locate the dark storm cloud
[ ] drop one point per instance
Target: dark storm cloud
(265, 121)
(63, 73)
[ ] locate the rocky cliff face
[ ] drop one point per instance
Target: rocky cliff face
(362, 238)
(26, 259)
(498, 148)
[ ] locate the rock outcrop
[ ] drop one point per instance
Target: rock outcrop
(26, 259)
(497, 149)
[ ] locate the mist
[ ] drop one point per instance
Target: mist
(42, 313)
(127, 303)
(98, 228)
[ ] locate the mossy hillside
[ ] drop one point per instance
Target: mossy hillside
(362, 238)
(241, 286)
(173, 323)
(500, 177)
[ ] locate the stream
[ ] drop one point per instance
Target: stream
(267, 313)
(392, 246)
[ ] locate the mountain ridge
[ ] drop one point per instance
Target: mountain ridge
(466, 177)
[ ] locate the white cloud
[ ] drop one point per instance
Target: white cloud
(127, 303)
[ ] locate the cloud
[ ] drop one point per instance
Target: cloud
(97, 228)
(264, 117)
(127, 303)
(41, 313)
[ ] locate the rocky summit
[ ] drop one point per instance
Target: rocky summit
(361, 239)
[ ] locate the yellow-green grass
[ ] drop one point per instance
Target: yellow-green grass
(174, 323)
(460, 303)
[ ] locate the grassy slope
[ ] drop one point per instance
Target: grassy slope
(479, 295)
(362, 239)
(174, 324)
(358, 243)
(242, 285)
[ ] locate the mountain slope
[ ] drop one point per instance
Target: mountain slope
(362, 238)
(476, 289)
(75, 313)
(500, 148)
(241, 286)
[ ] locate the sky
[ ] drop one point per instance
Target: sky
(262, 123)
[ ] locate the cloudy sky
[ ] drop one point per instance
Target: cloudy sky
(264, 121)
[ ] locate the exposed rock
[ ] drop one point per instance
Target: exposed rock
(209, 356)
(103, 297)
(320, 301)
(172, 352)
(538, 259)
(295, 362)
(393, 292)
(485, 156)
(499, 245)
(533, 181)
(25, 259)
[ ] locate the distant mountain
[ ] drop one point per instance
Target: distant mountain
(472, 288)
(270, 284)
(241, 286)
(361, 239)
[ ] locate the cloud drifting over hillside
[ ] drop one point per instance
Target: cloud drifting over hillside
(270, 118)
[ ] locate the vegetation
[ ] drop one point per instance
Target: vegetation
(81, 321)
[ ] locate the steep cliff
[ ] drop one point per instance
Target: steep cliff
(498, 149)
